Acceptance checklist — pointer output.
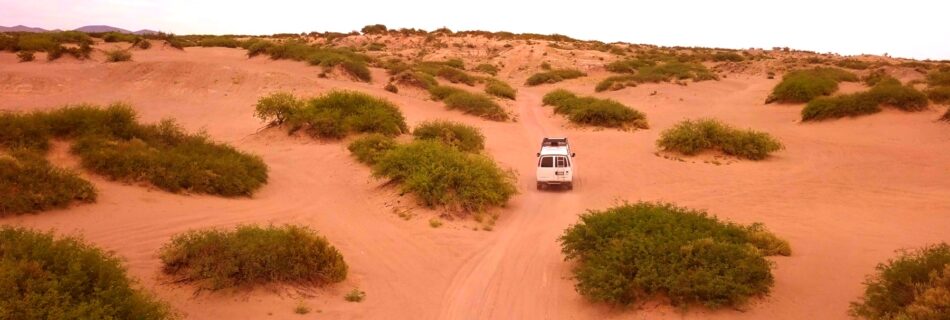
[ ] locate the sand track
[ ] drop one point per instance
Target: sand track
(845, 193)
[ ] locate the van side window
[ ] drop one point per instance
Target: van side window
(561, 162)
(547, 162)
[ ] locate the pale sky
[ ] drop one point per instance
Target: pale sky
(907, 28)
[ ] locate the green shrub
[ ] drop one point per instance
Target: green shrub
(219, 41)
(48, 278)
(939, 77)
(25, 56)
(635, 252)
(109, 141)
(690, 137)
(351, 62)
(257, 47)
(647, 71)
(252, 255)
(416, 79)
(447, 70)
(805, 85)
(939, 94)
(455, 63)
(334, 114)
(915, 285)
(500, 89)
(369, 148)
(888, 92)
(593, 111)
(120, 37)
(277, 107)
(454, 75)
(440, 175)
(376, 46)
(853, 64)
(144, 44)
(439, 93)
(118, 55)
(476, 104)
(374, 29)
(553, 76)
(727, 56)
(29, 184)
(487, 68)
(356, 295)
(463, 137)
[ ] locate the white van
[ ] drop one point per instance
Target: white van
(555, 164)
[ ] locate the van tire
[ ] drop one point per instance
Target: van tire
(570, 186)
(540, 186)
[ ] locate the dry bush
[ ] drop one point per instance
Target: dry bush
(690, 137)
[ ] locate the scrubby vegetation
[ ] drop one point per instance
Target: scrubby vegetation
(635, 252)
(118, 55)
(465, 138)
(416, 79)
(109, 141)
(888, 92)
(853, 64)
(252, 255)
(643, 71)
(690, 137)
(120, 37)
(25, 56)
(946, 116)
(594, 111)
(440, 175)
(29, 183)
(55, 44)
(450, 70)
(48, 278)
(327, 57)
(471, 103)
(333, 115)
(938, 82)
(356, 295)
(500, 89)
(915, 285)
(804, 85)
(554, 76)
(369, 148)
(487, 68)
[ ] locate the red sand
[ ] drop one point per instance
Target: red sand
(844, 193)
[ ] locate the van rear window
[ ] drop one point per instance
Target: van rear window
(547, 162)
(561, 162)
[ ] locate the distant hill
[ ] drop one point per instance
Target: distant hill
(101, 28)
(21, 28)
(92, 28)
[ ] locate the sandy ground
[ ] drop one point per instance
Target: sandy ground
(845, 193)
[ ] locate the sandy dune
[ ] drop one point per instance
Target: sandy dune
(845, 193)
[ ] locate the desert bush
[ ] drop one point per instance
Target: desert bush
(946, 116)
(463, 137)
(25, 56)
(940, 77)
(391, 88)
(367, 149)
(915, 285)
(109, 141)
(448, 70)
(805, 85)
(252, 255)
(351, 62)
(690, 137)
(120, 37)
(416, 79)
(487, 68)
(455, 63)
(727, 56)
(853, 64)
(118, 55)
(475, 104)
(454, 75)
(439, 93)
(940, 94)
(440, 175)
(376, 46)
(888, 91)
(500, 89)
(641, 71)
(256, 47)
(277, 107)
(219, 41)
(635, 252)
(374, 29)
(334, 114)
(49, 278)
(29, 183)
(553, 76)
(594, 111)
